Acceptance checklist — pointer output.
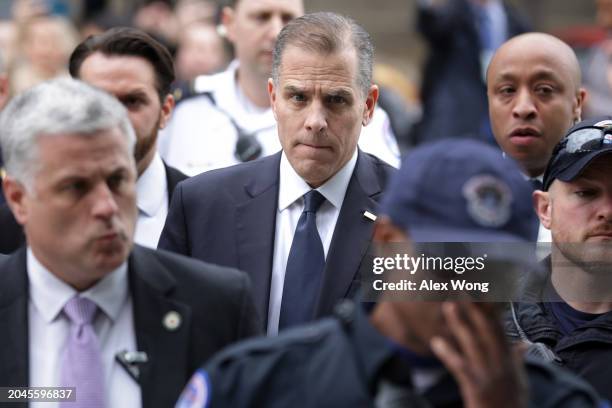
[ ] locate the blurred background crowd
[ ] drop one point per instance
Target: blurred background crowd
(37, 37)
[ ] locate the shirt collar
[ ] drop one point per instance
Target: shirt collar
(49, 294)
(152, 187)
(292, 186)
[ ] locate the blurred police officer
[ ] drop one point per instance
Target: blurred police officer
(407, 353)
(85, 308)
(138, 71)
(568, 304)
(228, 120)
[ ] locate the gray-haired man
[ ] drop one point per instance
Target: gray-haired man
(83, 306)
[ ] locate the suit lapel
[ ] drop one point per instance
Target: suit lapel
(255, 230)
(14, 353)
(352, 236)
(167, 350)
(173, 177)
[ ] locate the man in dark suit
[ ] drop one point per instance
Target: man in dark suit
(85, 308)
(462, 36)
(299, 222)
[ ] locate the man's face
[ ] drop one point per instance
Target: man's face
(580, 212)
(80, 214)
(252, 27)
(533, 100)
(132, 81)
(319, 109)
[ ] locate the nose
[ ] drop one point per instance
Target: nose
(276, 25)
(104, 205)
(604, 210)
(316, 121)
(524, 108)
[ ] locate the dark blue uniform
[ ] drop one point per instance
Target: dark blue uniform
(342, 362)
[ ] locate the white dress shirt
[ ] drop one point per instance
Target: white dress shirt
(152, 202)
(49, 328)
(200, 136)
(290, 206)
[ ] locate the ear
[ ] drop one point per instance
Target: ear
(543, 207)
(228, 16)
(4, 90)
(272, 95)
(166, 110)
(370, 105)
(580, 98)
(16, 198)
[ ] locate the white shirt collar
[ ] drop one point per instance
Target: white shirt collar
(292, 186)
(152, 187)
(49, 294)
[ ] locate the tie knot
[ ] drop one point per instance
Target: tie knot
(80, 310)
(312, 201)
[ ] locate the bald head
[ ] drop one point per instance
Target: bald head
(530, 47)
(533, 85)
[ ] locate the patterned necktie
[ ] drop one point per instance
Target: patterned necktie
(304, 266)
(82, 361)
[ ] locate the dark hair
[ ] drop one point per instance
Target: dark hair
(127, 41)
(327, 33)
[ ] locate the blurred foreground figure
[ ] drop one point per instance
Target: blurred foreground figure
(84, 307)
(407, 353)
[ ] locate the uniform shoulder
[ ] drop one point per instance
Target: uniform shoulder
(291, 345)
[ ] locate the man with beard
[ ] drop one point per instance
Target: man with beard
(567, 306)
(138, 71)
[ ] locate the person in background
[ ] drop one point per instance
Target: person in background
(138, 71)
(535, 95)
(462, 35)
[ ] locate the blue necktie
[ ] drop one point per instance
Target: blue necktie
(304, 266)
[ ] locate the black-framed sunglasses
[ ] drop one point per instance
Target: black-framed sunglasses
(586, 139)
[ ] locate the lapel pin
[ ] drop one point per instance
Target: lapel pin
(172, 321)
(131, 360)
(369, 216)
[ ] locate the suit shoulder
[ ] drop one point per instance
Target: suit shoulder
(175, 174)
(382, 169)
(237, 174)
(198, 273)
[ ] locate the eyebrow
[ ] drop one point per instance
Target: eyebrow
(540, 75)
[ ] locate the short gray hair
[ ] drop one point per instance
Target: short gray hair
(327, 33)
(55, 107)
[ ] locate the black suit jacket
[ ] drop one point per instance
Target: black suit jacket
(228, 217)
(453, 92)
(214, 303)
(11, 233)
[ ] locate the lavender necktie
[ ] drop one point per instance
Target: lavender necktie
(82, 361)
